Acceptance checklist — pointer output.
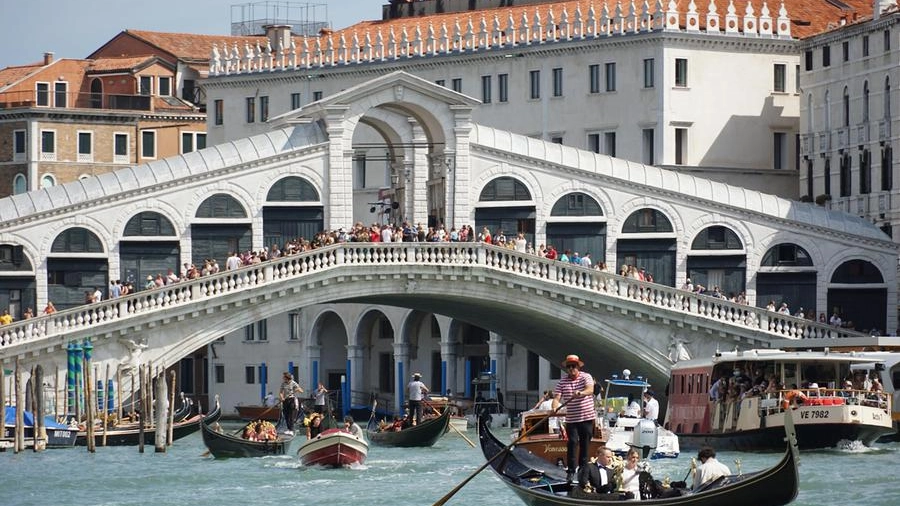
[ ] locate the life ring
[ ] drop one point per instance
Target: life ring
(793, 395)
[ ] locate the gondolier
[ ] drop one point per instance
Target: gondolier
(576, 390)
(416, 390)
(286, 393)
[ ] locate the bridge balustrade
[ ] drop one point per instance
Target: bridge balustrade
(119, 311)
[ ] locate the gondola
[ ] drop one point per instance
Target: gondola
(230, 445)
(421, 435)
(539, 483)
(254, 412)
(129, 435)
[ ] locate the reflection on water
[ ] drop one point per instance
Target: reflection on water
(396, 476)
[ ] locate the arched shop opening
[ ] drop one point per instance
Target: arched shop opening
(648, 241)
(77, 264)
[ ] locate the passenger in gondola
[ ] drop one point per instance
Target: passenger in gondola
(709, 469)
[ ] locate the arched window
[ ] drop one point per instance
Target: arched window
(96, 93)
(504, 188)
(221, 206)
(786, 254)
(887, 97)
(576, 204)
(856, 272)
(77, 240)
(47, 181)
(827, 110)
(149, 223)
(865, 111)
(293, 189)
(645, 221)
(20, 184)
(845, 107)
(716, 237)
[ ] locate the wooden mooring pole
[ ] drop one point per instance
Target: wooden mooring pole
(162, 414)
(143, 411)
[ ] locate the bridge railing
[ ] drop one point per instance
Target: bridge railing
(284, 268)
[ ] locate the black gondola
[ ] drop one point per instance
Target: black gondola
(129, 435)
(424, 434)
(230, 445)
(539, 483)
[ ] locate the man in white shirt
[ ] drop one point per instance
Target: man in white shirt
(710, 469)
(651, 406)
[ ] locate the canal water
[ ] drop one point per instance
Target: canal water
(391, 476)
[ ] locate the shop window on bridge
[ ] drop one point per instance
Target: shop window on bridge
(587, 235)
(221, 206)
(149, 223)
(654, 250)
(76, 240)
(786, 275)
(13, 258)
(859, 297)
(716, 237)
(293, 189)
(504, 188)
(726, 269)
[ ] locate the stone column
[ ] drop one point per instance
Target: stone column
(497, 351)
(338, 191)
(459, 172)
(401, 375)
(448, 367)
(314, 355)
(418, 169)
(356, 357)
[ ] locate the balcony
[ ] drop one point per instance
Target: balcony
(129, 102)
(862, 134)
(73, 100)
(884, 130)
(807, 142)
(843, 137)
(824, 142)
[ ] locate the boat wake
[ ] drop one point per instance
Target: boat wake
(848, 446)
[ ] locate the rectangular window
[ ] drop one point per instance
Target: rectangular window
(681, 72)
(148, 144)
(85, 147)
(681, 135)
(19, 145)
(263, 109)
(649, 81)
(42, 94)
(317, 95)
(647, 147)
(295, 101)
(609, 143)
(457, 84)
(779, 151)
(865, 45)
(250, 374)
(146, 85)
(593, 143)
(251, 109)
(797, 79)
(610, 76)
(187, 142)
(594, 78)
(503, 83)
(556, 139)
(60, 94)
(486, 89)
(165, 86)
(780, 77)
(887, 40)
(120, 148)
(249, 333)
(220, 373)
(219, 112)
(808, 58)
(48, 145)
(441, 82)
(293, 322)
(845, 50)
(557, 82)
(534, 84)
(826, 56)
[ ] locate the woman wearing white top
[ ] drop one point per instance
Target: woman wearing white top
(631, 475)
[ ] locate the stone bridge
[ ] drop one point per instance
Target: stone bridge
(612, 320)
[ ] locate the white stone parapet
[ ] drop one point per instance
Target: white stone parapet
(543, 26)
(109, 316)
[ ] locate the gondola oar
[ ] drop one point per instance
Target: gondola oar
(448, 495)
(451, 424)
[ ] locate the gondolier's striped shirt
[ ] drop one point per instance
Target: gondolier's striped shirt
(582, 408)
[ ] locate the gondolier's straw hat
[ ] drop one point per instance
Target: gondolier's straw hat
(573, 359)
(417, 375)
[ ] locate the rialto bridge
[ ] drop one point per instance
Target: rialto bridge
(242, 195)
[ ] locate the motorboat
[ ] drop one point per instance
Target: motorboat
(334, 448)
(628, 429)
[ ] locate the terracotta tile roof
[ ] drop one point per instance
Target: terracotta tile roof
(808, 17)
(12, 75)
(119, 64)
(192, 46)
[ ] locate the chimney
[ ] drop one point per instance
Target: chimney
(279, 36)
(48, 57)
(880, 6)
